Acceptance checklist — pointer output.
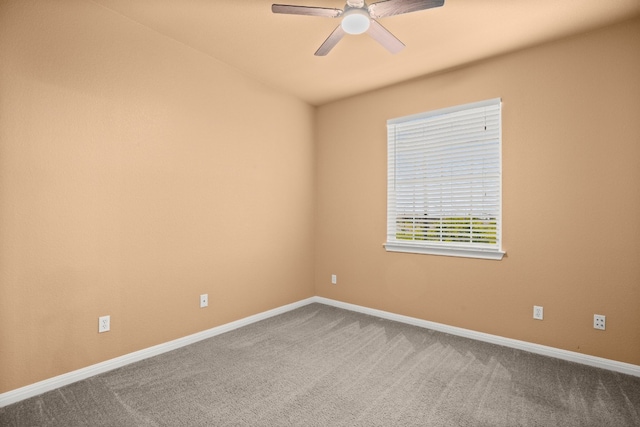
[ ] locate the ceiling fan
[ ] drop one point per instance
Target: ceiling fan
(358, 17)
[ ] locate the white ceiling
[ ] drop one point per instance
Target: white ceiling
(278, 50)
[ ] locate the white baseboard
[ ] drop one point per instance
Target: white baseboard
(571, 356)
(40, 387)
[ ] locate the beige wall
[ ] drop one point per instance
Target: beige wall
(571, 199)
(136, 174)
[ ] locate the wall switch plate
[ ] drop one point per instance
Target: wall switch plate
(599, 321)
(104, 324)
(204, 300)
(334, 279)
(538, 312)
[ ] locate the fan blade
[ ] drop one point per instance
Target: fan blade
(304, 10)
(382, 9)
(384, 37)
(331, 41)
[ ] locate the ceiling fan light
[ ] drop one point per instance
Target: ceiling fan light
(356, 21)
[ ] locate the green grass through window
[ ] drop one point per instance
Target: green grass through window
(447, 229)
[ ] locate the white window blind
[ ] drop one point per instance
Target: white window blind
(444, 182)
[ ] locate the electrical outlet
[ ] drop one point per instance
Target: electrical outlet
(104, 324)
(599, 321)
(334, 279)
(204, 300)
(538, 312)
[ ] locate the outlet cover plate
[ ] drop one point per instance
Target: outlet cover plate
(599, 321)
(104, 324)
(204, 300)
(538, 312)
(334, 279)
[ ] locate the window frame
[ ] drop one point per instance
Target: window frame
(426, 245)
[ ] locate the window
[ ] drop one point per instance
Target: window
(444, 182)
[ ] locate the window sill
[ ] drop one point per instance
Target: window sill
(449, 251)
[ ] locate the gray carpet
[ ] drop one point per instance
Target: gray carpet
(323, 366)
